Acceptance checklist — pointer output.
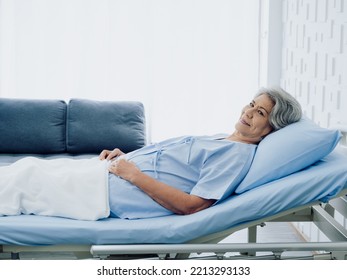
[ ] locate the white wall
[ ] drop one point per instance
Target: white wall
(193, 63)
(270, 43)
(315, 57)
(314, 64)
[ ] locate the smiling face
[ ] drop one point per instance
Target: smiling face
(254, 124)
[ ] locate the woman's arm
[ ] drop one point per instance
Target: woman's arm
(171, 198)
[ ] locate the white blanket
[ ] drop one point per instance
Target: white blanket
(63, 187)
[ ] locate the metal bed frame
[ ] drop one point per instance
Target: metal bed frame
(321, 214)
(208, 247)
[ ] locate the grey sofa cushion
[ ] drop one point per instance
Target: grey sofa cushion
(96, 125)
(32, 126)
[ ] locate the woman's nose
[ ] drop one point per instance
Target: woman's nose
(249, 112)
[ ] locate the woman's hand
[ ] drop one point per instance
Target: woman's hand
(108, 155)
(125, 169)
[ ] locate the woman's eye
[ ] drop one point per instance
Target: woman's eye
(261, 113)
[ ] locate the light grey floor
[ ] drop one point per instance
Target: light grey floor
(272, 232)
(283, 232)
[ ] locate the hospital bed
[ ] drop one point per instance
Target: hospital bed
(314, 193)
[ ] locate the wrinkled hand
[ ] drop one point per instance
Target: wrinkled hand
(127, 170)
(108, 155)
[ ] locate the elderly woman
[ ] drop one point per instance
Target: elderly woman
(188, 174)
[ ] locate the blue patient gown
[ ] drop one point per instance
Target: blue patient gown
(206, 166)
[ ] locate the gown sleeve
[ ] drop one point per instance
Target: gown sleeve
(223, 171)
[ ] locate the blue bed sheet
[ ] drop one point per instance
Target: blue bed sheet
(321, 181)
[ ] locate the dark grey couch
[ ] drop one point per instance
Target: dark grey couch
(29, 126)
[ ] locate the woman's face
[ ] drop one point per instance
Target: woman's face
(254, 121)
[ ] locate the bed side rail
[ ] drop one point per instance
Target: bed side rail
(335, 250)
(324, 217)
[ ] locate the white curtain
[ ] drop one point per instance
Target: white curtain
(193, 63)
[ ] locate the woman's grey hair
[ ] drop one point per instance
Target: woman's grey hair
(286, 110)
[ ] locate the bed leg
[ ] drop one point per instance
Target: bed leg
(182, 256)
(252, 234)
(15, 256)
(339, 255)
(252, 238)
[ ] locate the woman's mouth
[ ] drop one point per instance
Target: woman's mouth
(244, 122)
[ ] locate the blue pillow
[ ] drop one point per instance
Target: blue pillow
(32, 126)
(96, 125)
(288, 150)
